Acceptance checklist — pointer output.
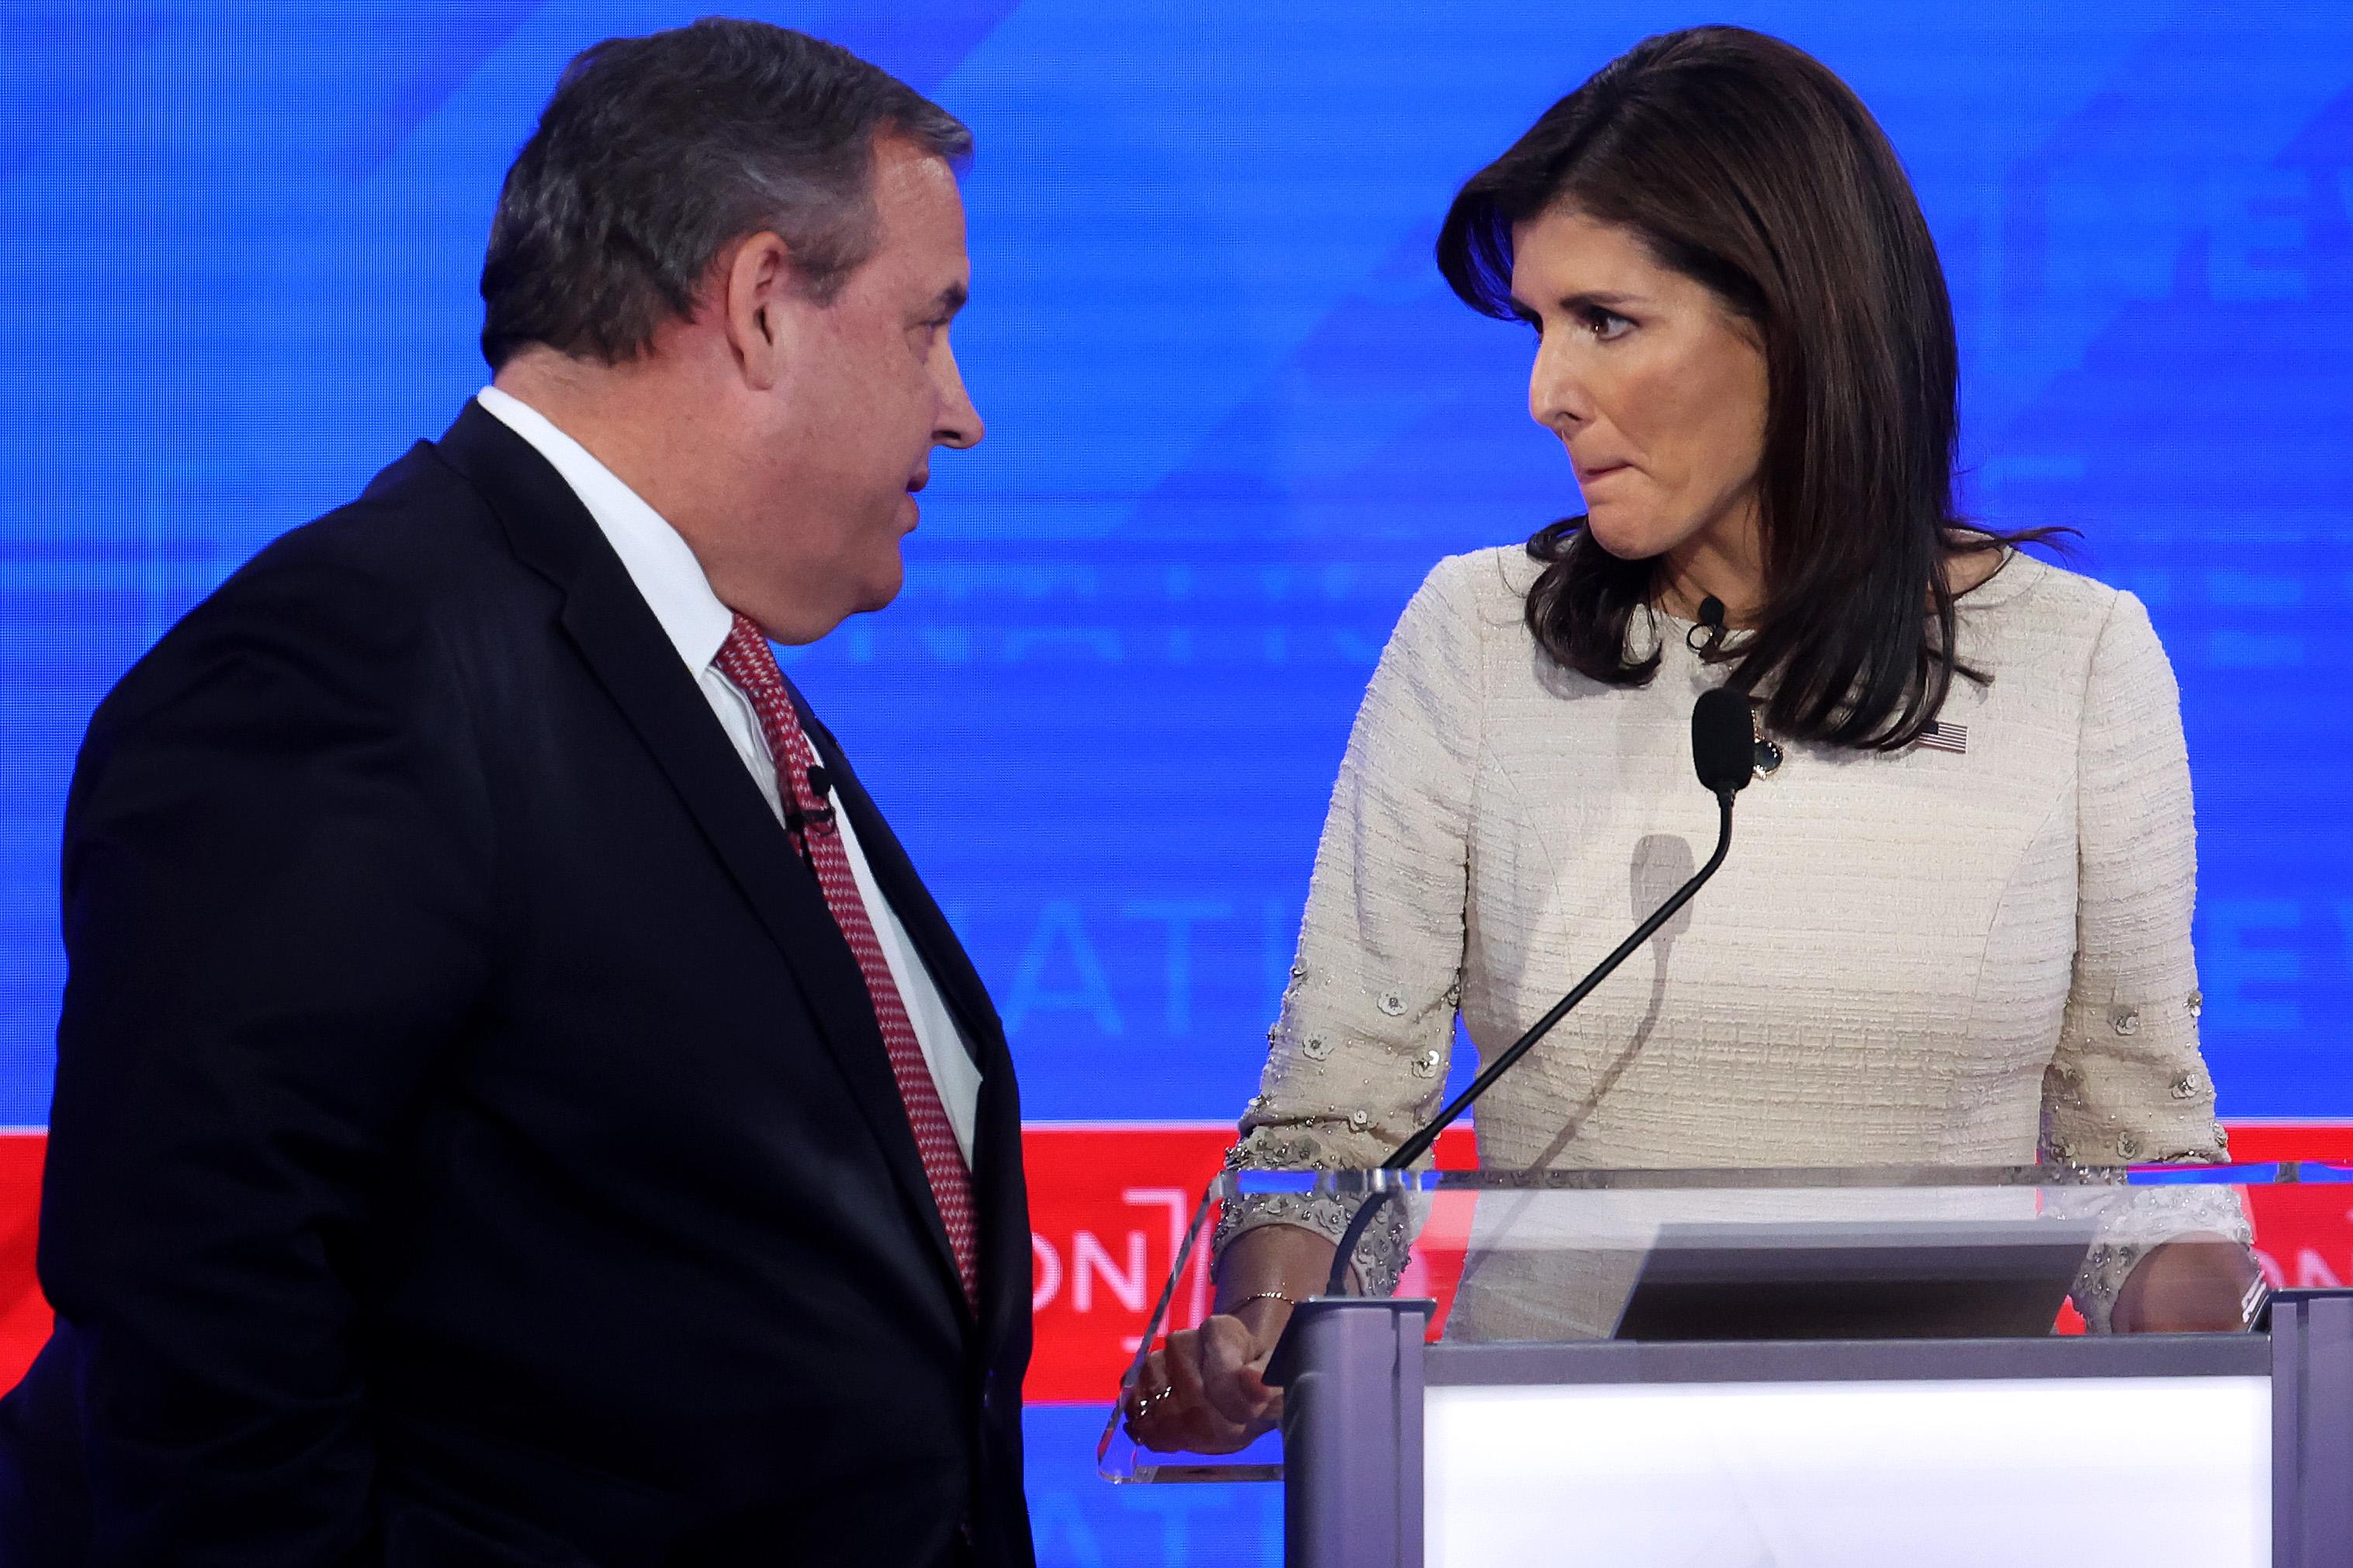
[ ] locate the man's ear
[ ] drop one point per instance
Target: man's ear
(757, 293)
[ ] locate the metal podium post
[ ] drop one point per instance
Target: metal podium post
(2312, 1428)
(1351, 1371)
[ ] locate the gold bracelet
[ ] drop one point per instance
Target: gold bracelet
(1263, 1296)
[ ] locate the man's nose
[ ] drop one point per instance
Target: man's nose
(960, 424)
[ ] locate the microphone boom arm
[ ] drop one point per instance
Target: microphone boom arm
(1413, 1148)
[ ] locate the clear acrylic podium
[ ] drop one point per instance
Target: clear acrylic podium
(1815, 1368)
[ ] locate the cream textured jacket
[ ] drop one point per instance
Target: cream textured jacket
(1928, 956)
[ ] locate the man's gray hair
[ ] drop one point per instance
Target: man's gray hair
(657, 153)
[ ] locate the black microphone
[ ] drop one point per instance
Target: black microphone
(796, 821)
(820, 782)
(1723, 745)
(1711, 621)
(1723, 756)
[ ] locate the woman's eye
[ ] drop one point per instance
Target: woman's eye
(1605, 324)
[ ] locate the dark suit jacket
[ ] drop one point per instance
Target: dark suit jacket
(473, 1143)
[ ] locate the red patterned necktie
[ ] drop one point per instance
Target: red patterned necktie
(745, 659)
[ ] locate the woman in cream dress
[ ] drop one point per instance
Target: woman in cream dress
(1955, 924)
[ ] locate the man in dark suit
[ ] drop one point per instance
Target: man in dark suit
(516, 1102)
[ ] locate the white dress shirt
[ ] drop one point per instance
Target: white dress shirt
(670, 580)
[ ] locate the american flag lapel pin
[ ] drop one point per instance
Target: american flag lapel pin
(1944, 737)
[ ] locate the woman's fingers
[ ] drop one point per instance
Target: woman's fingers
(1230, 1376)
(2198, 1283)
(1157, 1416)
(1144, 1398)
(1141, 1382)
(1183, 1362)
(1166, 1406)
(1205, 1391)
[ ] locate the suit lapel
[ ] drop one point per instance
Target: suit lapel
(1001, 1189)
(895, 875)
(623, 644)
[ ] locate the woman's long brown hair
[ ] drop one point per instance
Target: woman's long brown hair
(1745, 163)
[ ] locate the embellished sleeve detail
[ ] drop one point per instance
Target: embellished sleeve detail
(1358, 1053)
(2128, 1084)
(2133, 1220)
(1380, 1256)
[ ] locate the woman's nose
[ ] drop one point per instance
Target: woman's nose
(1558, 398)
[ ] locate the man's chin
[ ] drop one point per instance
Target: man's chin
(858, 596)
(878, 588)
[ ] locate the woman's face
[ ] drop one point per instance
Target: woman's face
(1657, 391)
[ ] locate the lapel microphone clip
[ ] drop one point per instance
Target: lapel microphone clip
(1710, 624)
(798, 823)
(820, 788)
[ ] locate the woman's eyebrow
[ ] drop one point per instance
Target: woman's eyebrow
(1607, 299)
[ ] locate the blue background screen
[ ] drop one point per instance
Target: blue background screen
(1234, 416)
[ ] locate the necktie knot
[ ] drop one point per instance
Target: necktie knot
(746, 659)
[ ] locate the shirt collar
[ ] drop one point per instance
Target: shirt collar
(657, 558)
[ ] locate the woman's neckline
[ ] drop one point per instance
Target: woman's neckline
(1998, 585)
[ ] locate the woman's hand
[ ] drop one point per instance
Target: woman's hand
(1204, 1391)
(2201, 1283)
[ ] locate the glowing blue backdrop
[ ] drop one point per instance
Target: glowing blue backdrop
(1234, 416)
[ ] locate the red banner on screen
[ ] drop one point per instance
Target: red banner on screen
(1109, 1203)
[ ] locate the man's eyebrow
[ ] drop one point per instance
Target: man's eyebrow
(952, 299)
